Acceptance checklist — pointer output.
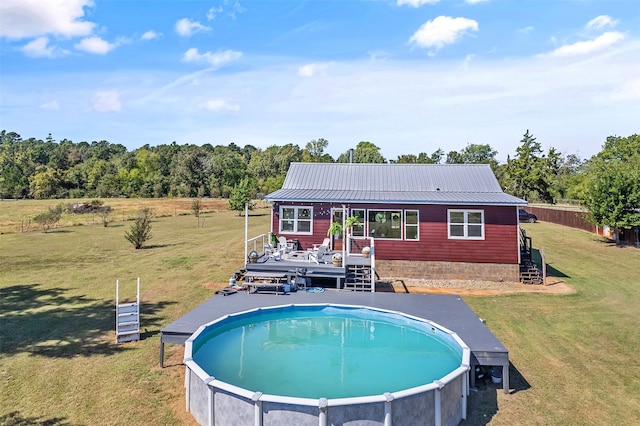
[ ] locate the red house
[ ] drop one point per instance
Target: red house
(441, 221)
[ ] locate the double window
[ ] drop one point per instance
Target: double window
(296, 220)
(466, 224)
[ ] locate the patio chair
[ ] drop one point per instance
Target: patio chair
(318, 255)
(284, 246)
(272, 252)
(325, 243)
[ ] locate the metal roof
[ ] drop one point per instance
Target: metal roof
(469, 184)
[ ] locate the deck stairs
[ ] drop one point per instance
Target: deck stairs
(127, 317)
(359, 278)
(530, 273)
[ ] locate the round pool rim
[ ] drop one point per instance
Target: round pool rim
(189, 362)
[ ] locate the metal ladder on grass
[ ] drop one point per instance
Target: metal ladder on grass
(127, 317)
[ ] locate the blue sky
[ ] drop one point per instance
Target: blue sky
(410, 76)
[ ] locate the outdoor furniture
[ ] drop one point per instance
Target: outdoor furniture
(325, 243)
(272, 252)
(284, 246)
(269, 282)
(298, 255)
(318, 255)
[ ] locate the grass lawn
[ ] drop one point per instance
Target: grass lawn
(575, 357)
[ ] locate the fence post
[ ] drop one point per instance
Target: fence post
(544, 266)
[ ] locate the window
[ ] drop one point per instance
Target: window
(466, 224)
(358, 231)
(385, 223)
(296, 220)
(411, 225)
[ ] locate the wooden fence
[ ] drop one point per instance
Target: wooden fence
(575, 218)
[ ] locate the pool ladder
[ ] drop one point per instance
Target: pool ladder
(127, 317)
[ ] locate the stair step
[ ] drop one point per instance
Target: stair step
(128, 332)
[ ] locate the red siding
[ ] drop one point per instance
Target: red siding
(500, 244)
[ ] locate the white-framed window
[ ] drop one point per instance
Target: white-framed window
(358, 231)
(296, 220)
(466, 224)
(411, 225)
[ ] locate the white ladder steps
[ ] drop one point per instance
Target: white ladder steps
(127, 317)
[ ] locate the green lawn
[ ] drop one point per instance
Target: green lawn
(575, 357)
(58, 360)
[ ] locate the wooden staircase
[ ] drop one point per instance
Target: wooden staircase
(359, 278)
(529, 273)
(127, 317)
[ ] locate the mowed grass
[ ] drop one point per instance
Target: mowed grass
(575, 357)
(59, 363)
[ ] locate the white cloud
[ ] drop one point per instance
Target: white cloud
(525, 30)
(151, 35)
(441, 31)
(475, 1)
(186, 28)
(415, 3)
(214, 59)
(310, 70)
(95, 45)
(586, 47)
(53, 105)
(32, 18)
(216, 105)
(213, 12)
(600, 22)
(40, 48)
(107, 101)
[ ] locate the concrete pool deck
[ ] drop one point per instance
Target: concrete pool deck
(447, 310)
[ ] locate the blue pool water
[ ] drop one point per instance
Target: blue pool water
(325, 351)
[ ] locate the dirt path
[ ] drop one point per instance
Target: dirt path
(472, 288)
(459, 287)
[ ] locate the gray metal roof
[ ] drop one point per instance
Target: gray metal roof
(469, 184)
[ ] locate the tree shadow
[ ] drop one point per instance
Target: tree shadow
(157, 246)
(47, 322)
(536, 257)
(16, 419)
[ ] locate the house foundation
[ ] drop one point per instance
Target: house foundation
(498, 272)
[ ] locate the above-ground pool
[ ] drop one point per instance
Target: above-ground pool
(325, 364)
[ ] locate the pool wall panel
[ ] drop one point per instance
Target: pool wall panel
(357, 414)
(232, 410)
(452, 409)
(274, 414)
(198, 398)
(414, 410)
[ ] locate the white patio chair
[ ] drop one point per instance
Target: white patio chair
(318, 255)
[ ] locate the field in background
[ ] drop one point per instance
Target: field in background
(17, 215)
(574, 357)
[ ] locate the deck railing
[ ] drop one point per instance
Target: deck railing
(257, 244)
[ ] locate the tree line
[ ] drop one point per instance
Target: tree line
(607, 184)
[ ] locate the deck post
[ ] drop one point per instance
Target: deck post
(505, 378)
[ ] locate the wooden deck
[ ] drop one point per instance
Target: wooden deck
(449, 311)
(288, 264)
